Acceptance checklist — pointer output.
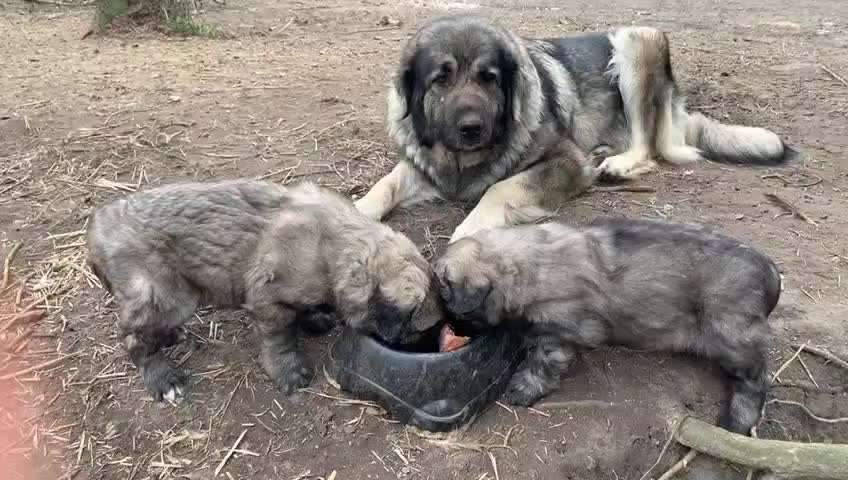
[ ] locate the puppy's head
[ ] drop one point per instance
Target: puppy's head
(466, 285)
(390, 291)
(458, 78)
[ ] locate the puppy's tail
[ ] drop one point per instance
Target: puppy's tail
(736, 144)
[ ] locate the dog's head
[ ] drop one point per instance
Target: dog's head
(388, 289)
(458, 80)
(466, 284)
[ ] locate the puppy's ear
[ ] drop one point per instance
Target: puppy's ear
(462, 295)
(354, 285)
(468, 298)
(431, 312)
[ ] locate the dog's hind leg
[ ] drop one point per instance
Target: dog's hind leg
(743, 358)
(748, 387)
(641, 65)
(548, 360)
(152, 314)
(672, 123)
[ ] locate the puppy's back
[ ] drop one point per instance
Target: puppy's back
(704, 257)
(200, 230)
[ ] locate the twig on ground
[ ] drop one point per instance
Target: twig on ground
(677, 467)
(787, 183)
(809, 412)
(63, 4)
(834, 75)
(808, 387)
(7, 264)
(494, 465)
(370, 30)
(25, 317)
(789, 208)
(786, 363)
(662, 452)
(788, 459)
(807, 371)
(576, 404)
(624, 188)
(230, 453)
(276, 172)
(40, 366)
(342, 400)
(826, 355)
(286, 26)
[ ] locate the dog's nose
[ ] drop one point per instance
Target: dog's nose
(470, 127)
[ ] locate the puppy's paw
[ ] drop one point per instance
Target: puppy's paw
(291, 372)
(164, 381)
(524, 389)
(174, 337)
(626, 166)
(317, 322)
(368, 207)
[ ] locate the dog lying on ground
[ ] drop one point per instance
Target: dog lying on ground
(290, 255)
(637, 283)
(482, 115)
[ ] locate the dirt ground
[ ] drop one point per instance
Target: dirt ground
(296, 90)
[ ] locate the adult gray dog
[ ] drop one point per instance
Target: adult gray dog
(481, 114)
(293, 256)
(642, 284)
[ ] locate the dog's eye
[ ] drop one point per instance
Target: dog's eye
(489, 75)
(441, 78)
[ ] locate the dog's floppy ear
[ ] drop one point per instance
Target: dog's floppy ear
(405, 82)
(354, 285)
(510, 82)
(468, 298)
(460, 295)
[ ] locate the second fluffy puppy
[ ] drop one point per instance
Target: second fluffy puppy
(643, 284)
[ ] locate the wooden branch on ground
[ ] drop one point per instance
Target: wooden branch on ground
(790, 459)
(824, 354)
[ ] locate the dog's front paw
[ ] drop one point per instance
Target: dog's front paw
(599, 154)
(626, 166)
(524, 389)
(317, 322)
(164, 381)
(291, 372)
(368, 207)
(465, 229)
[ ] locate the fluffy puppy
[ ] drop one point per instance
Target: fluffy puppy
(292, 256)
(637, 283)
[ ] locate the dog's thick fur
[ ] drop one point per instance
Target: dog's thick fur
(638, 283)
(293, 256)
(480, 113)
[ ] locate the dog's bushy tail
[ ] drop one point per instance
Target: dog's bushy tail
(736, 144)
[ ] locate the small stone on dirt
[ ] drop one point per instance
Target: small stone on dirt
(784, 24)
(386, 21)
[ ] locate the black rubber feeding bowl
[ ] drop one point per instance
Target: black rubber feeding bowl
(430, 390)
